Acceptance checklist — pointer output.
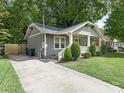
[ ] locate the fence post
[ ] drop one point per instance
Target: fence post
(1, 49)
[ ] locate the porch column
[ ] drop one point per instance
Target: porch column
(45, 45)
(100, 42)
(70, 39)
(88, 40)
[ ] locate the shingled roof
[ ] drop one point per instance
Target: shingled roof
(56, 30)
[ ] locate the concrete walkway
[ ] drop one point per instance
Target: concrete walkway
(47, 77)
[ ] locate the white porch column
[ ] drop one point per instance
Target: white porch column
(70, 39)
(88, 40)
(45, 45)
(100, 42)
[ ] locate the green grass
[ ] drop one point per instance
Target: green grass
(109, 68)
(9, 82)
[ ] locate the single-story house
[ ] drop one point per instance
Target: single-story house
(50, 42)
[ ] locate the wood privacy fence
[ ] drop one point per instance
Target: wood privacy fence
(1, 49)
(15, 49)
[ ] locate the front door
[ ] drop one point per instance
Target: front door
(77, 40)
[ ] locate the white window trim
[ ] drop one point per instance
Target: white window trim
(60, 42)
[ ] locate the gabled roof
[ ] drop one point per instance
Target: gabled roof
(55, 30)
(72, 28)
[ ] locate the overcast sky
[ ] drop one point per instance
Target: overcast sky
(101, 23)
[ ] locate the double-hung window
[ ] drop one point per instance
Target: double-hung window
(59, 42)
(56, 42)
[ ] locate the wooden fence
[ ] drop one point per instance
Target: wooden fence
(1, 49)
(15, 49)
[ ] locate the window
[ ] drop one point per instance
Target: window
(84, 42)
(59, 42)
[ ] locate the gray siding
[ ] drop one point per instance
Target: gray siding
(67, 40)
(35, 42)
(34, 31)
(87, 30)
(50, 42)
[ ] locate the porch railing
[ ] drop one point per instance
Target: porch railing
(97, 48)
(82, 48)
(61, 54)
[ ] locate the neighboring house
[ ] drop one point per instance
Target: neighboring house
(116, 44)
(113, 43)
(51, 42)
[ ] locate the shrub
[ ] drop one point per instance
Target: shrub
(98, 53)
(87, 55)
(67, 54)
(120, 49)
(115, 50)
(103, 49)
(75, 50)
(92, 49)
(110, 49)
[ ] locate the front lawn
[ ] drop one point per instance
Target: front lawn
(9, 82)
(109, 68)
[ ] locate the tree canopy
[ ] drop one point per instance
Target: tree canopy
(4, 35)
(70, 12)
(114, 27)
(60, 13)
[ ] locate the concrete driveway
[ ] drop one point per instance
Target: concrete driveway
(47, 77)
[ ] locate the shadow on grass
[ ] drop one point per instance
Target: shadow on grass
(109, 55)
(72, 61)
(114, 55)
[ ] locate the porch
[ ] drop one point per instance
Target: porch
(84, 41)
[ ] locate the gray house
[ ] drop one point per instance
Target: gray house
(51, 42)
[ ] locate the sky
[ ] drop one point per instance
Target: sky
(100, 22)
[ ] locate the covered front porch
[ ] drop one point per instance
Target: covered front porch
(85, 41)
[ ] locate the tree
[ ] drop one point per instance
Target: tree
(114, 27)
(22, 13)
(71, 12)
(62, 13)
(4, 36)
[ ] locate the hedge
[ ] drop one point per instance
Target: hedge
(67, 54)
(75, 50)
